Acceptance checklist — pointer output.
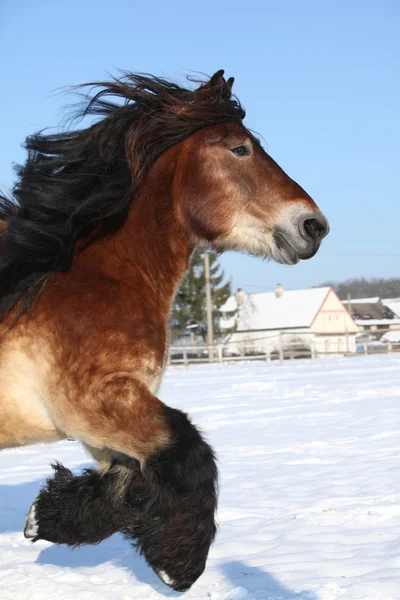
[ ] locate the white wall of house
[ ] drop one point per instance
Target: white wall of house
(331, 331)
(261, 342)
(264, 342)
(335, 344)
(333, 317)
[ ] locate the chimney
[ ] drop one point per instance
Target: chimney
(279, 290)
(240, 298)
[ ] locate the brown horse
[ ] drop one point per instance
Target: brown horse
(93, 246)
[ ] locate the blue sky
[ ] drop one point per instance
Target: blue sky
(319, 80)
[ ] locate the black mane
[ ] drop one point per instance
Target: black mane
(79, 184)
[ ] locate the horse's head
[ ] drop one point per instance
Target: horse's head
(236, 197)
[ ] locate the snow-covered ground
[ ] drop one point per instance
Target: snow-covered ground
(310, 491)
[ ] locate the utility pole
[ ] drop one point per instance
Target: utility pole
(210, 335)
(349, 304)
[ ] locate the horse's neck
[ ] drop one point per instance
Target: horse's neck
(151, 252)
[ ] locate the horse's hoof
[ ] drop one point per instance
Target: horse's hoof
(165, 579)
(175, 585)
(31, 528)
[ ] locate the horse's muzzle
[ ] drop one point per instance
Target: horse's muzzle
(299, 238)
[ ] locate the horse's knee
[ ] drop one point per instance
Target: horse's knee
(119, 415)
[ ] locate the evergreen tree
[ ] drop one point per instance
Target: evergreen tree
(189, 306)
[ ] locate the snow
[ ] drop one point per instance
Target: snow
(391, 336)
(374, 300)
(310, 490)
(295, 308)
(393, 304)
(230, 305)
(227, 323)
(372, 322)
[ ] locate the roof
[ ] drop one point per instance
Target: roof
(368, 308)
(388, 322)
(362, 300)
(393, 304)
(230, 305)
(295, 308)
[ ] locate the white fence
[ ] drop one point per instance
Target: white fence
(280, 346)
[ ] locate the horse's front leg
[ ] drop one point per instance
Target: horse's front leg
(160, 489)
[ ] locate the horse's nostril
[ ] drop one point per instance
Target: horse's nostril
(315, 229)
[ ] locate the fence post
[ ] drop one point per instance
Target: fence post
(219, 348)
(185, 359)
(281, 348)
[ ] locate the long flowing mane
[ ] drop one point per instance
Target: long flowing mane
(80, 184)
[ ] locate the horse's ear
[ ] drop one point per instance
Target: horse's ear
(217, 83)
(227, 88)
(216, 79)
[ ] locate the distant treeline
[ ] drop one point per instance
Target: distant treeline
(366, 288)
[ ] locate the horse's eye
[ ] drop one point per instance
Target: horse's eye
(241, 150)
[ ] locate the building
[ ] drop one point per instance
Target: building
(375, 314)
(301, 322)
(394, 305)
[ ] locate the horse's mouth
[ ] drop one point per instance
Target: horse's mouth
(283, 252)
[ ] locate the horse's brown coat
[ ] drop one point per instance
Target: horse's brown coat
(88, 361)
(92, 249)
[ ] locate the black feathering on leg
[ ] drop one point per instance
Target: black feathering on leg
(74, 510)
(166, 509)
(175, 501)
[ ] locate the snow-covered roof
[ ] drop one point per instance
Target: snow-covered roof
(362, 300)
(295, 308)
(367, 322)
(393, 304)
(392, 336)
(229, 306)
